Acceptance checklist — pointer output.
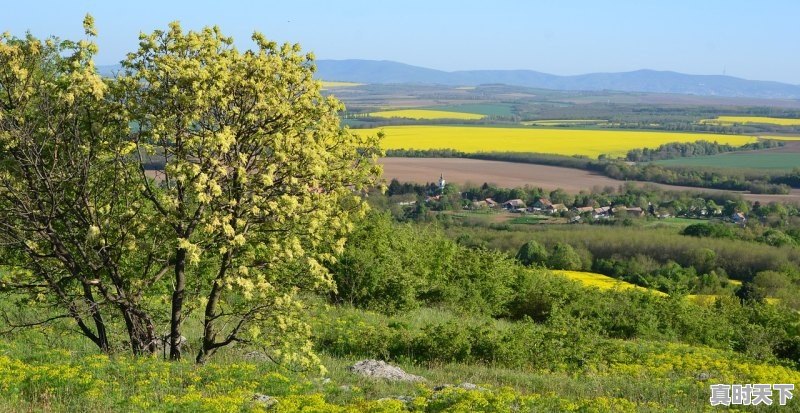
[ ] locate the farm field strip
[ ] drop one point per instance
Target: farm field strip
(426, 114)
(729, 120)
(332, 84)
(762, 160)
(590, 143)
(566, 122)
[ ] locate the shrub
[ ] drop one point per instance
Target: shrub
(531, 253)
(564, 257)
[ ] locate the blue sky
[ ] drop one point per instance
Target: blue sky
(748, 39)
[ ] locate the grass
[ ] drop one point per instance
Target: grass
(487, 109)
(674, 222)
(760, 160)
(557, 141)
(425, 114)
(730, 120)
(602, 282)
(528, 220)
(629, 376)
(563, 122)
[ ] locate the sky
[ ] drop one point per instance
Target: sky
(757, 40)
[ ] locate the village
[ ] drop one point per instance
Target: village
(606, 205)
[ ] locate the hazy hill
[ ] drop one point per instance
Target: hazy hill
(372, 71)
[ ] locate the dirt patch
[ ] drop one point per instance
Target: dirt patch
(509, 175)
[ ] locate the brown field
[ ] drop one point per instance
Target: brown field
(508, 174)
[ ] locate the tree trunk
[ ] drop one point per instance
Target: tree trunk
(209, 332)
(100, 326)
(177, 305)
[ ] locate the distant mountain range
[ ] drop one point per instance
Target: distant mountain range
(387, 72)
(374, 71)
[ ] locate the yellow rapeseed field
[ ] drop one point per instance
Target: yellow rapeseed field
(601, 281)
(729, 120)
(557, 141)
(330, 84)
(426, 114)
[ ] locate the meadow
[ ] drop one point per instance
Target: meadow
(590, 143)
(426, 114)
(488, 109)
(759, 160)
(564, 122)
(729, 120)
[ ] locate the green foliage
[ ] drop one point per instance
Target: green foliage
(564, 257)
(531, 253)
(393, 267)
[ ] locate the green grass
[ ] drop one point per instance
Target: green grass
(488, 109)
(636, 375)
(762, 160)
(674, 222)
(528, 220)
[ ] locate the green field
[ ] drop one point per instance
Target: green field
(761, 160)
(732, 120)
(529, 220)
(487, 109)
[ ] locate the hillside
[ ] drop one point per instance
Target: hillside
(384, 72)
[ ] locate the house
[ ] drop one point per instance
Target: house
(635, 211)
(541, 204)
(514, 204)
(618, 209)
(491, 203)
(602, 210)
(556, 208)
(582, 210)
(629, 211)
(478, 205)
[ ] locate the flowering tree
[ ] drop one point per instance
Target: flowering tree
(256, 189)
(73, 226)
(259, 184)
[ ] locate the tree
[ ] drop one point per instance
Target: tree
(258, 184)
(257, 188)
(72, 224)
(564, 257)
(531, 253)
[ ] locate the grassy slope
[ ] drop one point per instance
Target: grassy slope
(639, 376)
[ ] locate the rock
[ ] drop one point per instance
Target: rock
(468, 386)
(703, 376)
(326, 380)
(267, 401)
(404, 399)
(381, 370)
(163, 343)
(344, 388)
